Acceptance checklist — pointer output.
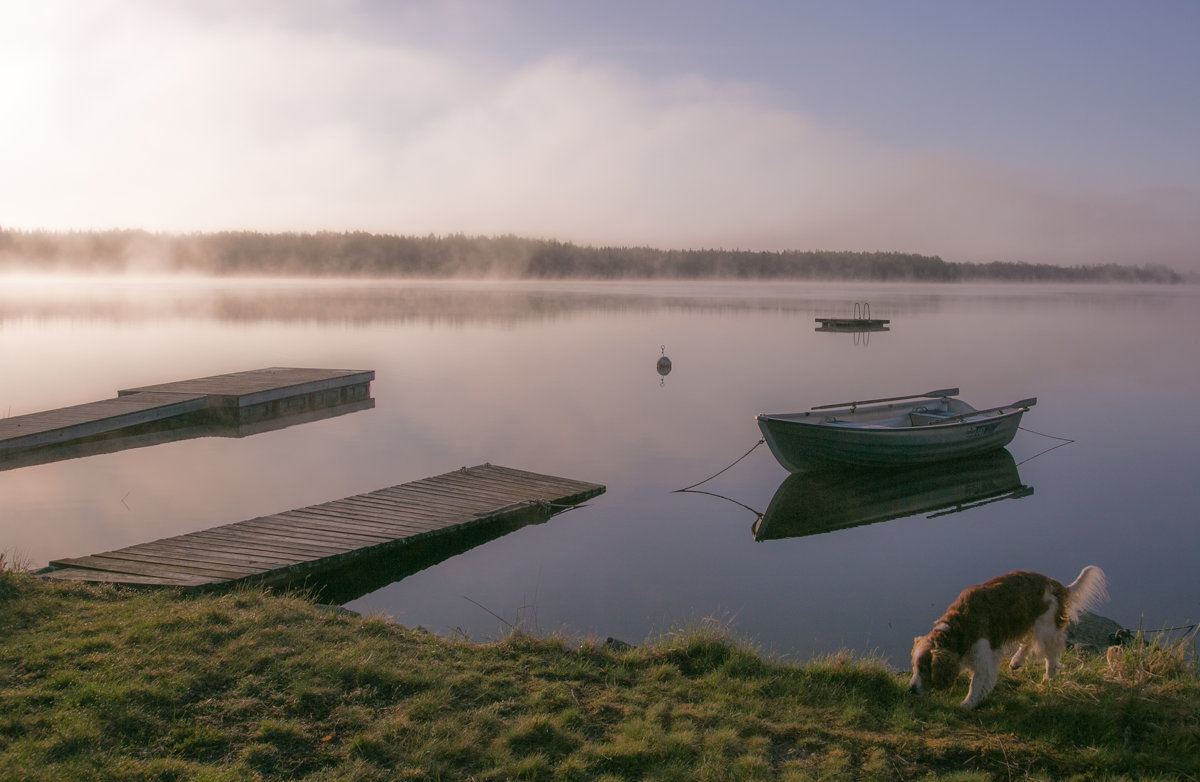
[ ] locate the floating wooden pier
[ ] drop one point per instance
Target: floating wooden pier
(282, 546)
(167, 431)
(261, 393)
(862, 321)
(853, 324)
(239, 398)
(94, 418)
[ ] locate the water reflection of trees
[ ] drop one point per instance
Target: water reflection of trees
(357, 304)
(119, 299)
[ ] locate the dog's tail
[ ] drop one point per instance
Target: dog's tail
(1086, 592)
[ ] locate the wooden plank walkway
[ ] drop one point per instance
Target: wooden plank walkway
(242, 397)
(280, 546)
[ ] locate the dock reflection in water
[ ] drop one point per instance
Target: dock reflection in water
(176, 429)
(810, 503)
(351, 580)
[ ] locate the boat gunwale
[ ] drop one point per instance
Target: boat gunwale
(893, 415)
(972, 418)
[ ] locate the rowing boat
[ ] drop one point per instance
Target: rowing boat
(915, 429)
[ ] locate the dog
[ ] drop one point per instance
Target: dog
(1022, 608)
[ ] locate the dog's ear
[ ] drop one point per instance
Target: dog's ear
(944, 669)
(920, 655)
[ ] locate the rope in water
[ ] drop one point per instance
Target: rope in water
(557, 507)
(1051, 436)
(714, 475)
(721, 497)
(1065, 441)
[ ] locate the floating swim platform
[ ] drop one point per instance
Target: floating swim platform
(853, 324)
(862, 321)
(239, 398)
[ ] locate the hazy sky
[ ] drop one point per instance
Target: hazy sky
(1060, 132)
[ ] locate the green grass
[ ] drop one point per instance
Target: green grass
(101, 683)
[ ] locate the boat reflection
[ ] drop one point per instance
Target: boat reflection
(811, 503)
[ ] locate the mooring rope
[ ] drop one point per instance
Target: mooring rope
(1065, 441)
(720, 497)
(555, 508)
(1051, 436)
(714, 475)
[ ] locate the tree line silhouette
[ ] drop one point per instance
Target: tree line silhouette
(360, 254)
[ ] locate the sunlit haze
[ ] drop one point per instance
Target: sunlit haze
(1056, 133)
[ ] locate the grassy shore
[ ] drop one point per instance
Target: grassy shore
(102, 683)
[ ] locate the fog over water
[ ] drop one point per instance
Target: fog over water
(560, 378)
(1047, 133)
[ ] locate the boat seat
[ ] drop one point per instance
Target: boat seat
(855, 424)
(930, 417)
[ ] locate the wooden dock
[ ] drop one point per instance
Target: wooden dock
(238, 398)
(860, 322)
(261, 393)
(54, 427)
(170, 430)
(853, 324)
(282, 546)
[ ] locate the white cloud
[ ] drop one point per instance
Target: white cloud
(162, 117)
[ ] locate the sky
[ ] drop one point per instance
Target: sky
(1055, 131)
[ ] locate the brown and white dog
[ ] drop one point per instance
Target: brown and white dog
(1020, 607)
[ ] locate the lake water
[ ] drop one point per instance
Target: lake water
(560, 378)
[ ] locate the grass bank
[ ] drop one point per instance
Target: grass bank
(100, 683)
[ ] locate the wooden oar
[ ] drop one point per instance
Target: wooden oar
(1026, 403)
(939, 392)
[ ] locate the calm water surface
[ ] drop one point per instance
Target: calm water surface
(560, 378)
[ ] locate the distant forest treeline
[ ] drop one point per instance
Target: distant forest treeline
(380, 255)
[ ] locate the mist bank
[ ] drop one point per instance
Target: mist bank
(359, 254)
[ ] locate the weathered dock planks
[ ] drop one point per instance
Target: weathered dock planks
(240, 398)
(94, 418)
(259, 393)
(280, 546)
